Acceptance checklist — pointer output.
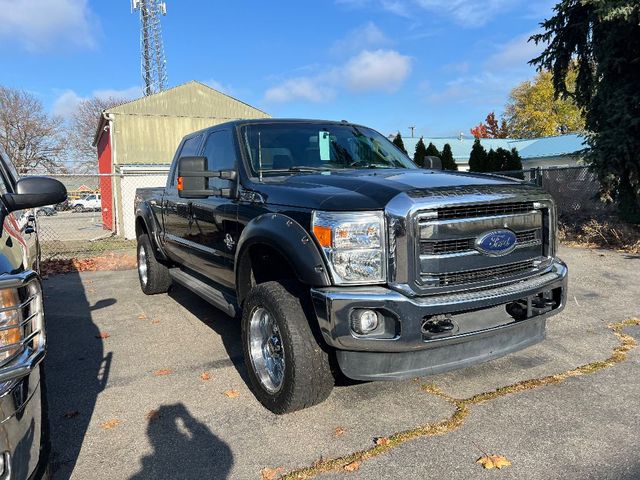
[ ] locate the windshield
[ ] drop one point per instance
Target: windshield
(282, 148)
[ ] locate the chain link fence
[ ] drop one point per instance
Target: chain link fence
(575, 190)
(98, 216)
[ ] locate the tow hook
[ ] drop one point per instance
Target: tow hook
(438, 325)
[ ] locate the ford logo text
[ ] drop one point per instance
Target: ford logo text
(496, 242)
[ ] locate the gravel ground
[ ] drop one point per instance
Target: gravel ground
(128, 401)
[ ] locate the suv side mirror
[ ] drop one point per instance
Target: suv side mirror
(192, 178)
(34, 192)
(432, 163)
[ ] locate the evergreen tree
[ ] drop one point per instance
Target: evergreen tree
(514, 162)
(600, 40)
(448, 163)
(478, 157)
(492, 163)
(420, 153)
(432, 151)
(503, 157)
(397, 141)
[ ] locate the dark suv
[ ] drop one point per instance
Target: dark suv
(23, 422)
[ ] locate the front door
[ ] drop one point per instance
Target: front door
(177, 211)
(213, 227)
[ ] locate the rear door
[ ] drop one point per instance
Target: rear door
(177, 211)
(213, 229)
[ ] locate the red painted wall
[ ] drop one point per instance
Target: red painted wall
(106, 185)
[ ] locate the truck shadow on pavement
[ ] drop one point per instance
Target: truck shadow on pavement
(77, 368)
(183, 447)
(226, 327)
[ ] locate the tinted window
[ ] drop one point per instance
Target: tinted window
(190, 148)
(221, 155)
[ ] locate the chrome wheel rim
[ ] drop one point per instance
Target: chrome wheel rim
(142, 265)
(266, 350)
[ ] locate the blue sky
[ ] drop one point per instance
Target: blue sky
(439, 65)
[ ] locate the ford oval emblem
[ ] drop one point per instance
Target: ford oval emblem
(496, 242)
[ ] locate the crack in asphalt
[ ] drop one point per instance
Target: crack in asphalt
(463, 407)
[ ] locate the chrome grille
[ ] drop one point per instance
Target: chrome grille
(483, 274)
(484, 210)
(443, 247)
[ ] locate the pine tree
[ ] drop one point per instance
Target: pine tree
(478, 157)
(420, 153)
(397, 141)
(432, 151)
(492, 163)
(448, 163)
(600, 40)
(514, 162)
(502, 160)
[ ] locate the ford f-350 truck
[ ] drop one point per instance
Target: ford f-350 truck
(338, 252)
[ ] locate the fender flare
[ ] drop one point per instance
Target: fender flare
(145, 214)
(291, 240)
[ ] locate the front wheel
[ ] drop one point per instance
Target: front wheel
(288, 370)
(78, 209)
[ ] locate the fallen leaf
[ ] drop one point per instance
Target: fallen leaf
(163, 371)
(142, 316)
(339, 431)
(91, 290)
(205, 376)
(382, 441)
(155, 322)
(153, 415)
(71, 414)
(232, 393)
(109, 424)
(88, 282)
(270, 473)
(103, 335)
(352, 467)
(493, 461)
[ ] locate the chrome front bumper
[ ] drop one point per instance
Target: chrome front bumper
(408, 353)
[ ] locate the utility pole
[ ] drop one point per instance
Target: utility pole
(412, 129)
(154, 63)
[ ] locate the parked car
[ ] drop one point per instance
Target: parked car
(46, 211)
(24, 429)
(63, 206)
(328, 241)
(88, 203)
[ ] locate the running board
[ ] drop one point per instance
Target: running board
(212, 295)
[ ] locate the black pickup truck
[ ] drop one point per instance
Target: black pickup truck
(336, 251)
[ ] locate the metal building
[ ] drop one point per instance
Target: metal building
(137, 140)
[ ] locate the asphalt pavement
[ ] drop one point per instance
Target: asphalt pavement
(153, 387)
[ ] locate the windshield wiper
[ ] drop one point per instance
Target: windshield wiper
(298, 168)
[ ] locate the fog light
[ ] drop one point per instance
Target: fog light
(364, 321)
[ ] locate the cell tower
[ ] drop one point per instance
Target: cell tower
(154, 64)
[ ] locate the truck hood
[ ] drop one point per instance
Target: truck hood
(363, 190)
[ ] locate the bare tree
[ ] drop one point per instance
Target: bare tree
(32, 138)
(82, 128)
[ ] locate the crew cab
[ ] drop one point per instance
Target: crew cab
(24, 432)
(329, 243)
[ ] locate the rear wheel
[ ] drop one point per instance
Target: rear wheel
(154, 276)
(78, 209)
(288, 369)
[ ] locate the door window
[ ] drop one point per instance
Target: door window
(221, 155)
(190, 148)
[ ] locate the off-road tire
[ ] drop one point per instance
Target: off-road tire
(308, 379)
(157, 279)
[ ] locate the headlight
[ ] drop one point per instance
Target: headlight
(353, 244)
(10, 319)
